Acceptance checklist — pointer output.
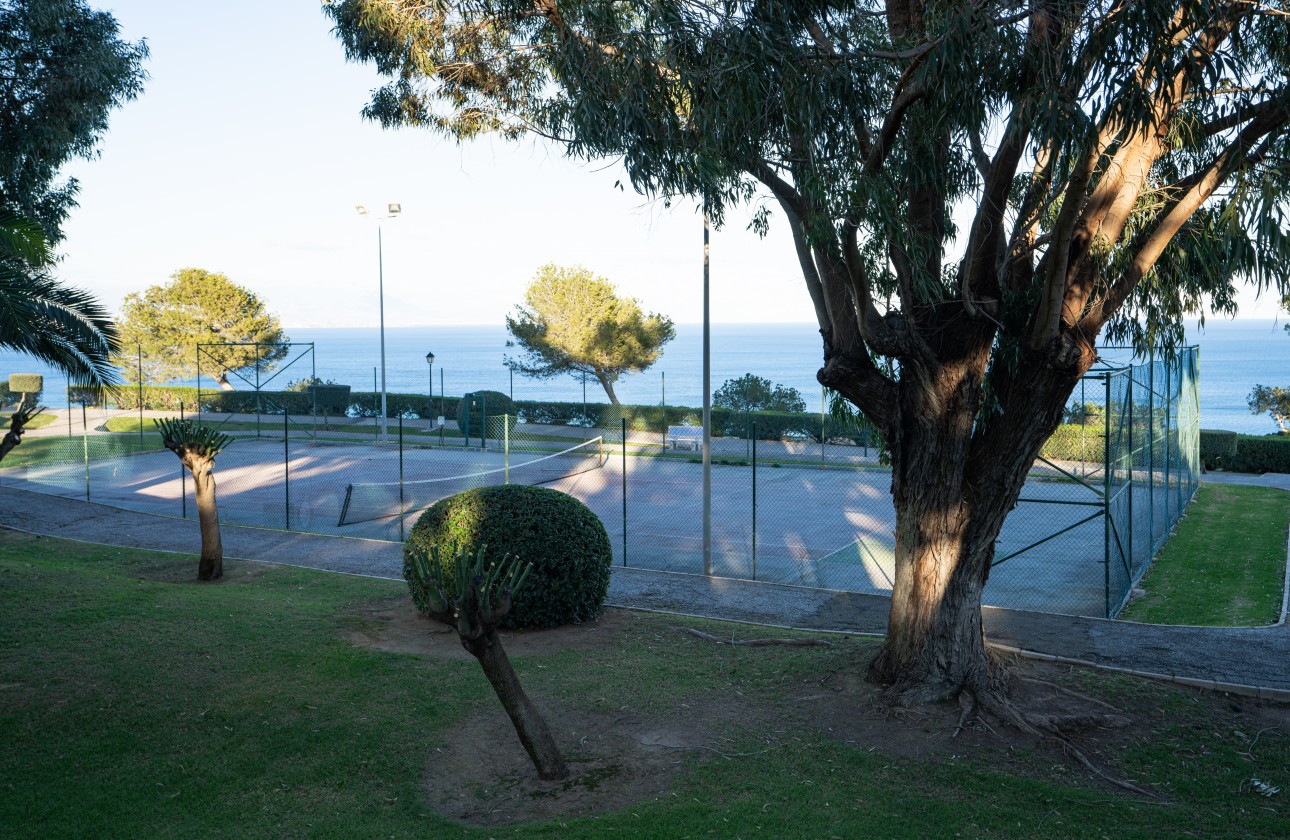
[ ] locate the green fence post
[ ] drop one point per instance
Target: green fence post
(85, 448)
(139, 348)
(506, 448)
(752, 436)
(183, 478)
(401, 503)
(286, 464)
(624, 424)
(1107, 466)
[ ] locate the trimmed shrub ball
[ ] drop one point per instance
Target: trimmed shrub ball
(559, 535)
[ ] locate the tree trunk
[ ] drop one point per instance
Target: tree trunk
(528, 721)
(13, 437)
(222, 381)
(608, 385)
(954, 483)
(211, 565)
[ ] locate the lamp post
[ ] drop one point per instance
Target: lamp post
(392, 209)
(430, 387)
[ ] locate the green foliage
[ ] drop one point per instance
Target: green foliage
(59, 325)
(754, 393)
(167, 322)
(493, 582)
(563, 540)
(26, 383)
(478, 405)
(191, 436)
(573, 322)
(1260, 455)
(1273, 400)
(65, 69)
(1077, 413)
(1077, 442)
(1217, 448)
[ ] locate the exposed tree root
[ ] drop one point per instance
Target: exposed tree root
(991, 700)
(985, 692)
(758, 642)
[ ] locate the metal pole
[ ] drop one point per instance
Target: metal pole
(139, 349)
(441, 414)
(69, 409)
(376, 427)
(1107, 466)
(624, 422)
(286, 464)
(664, 405)
(511, 390)
(85, 447)
(707, 405)
(822, 434)
(257, 390)
(313, 378)
(752, 434)
(380, 268)
(183, 476)
(430, 393)
(506, 448)
(400, 475)
(584, 394)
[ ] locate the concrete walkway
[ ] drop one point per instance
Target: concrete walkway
(1249, 660)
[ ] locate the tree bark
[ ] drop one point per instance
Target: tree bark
(211, 565)
(529, 724)
(608, 386)
(954, 481)
(222, 381)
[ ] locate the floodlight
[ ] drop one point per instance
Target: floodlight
(395, 208)
(361, 208)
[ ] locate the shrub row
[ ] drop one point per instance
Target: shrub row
(1258, 454)
(360, 403)
(1217, 448)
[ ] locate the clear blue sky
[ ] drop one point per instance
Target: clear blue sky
(246, 154)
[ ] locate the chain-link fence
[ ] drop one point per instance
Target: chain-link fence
(796, 497)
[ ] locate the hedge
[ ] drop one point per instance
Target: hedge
(26, 383)
(1217, 448)
(360, 404)
(1259, 454)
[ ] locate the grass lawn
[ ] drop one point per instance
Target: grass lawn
(285, 703)
(1225, 564)
(40, 421)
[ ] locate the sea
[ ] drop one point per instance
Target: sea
(1235, 355)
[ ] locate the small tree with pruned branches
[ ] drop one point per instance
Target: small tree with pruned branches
(197, 445)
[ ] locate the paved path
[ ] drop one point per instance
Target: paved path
(1258, 657)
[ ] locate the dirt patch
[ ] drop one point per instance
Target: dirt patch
(184, 570)
(481, 775)
(394, 626)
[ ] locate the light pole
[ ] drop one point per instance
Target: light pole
(430, 388)
(392, 209)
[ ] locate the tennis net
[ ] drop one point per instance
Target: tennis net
(367, 501)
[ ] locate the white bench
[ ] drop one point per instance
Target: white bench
(690, 436)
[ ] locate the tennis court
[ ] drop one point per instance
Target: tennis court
(800, 524)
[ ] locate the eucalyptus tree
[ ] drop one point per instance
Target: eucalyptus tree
(63, 68)
(977, 193)
(573, 322)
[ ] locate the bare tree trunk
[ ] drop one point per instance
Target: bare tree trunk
(529, 724)
(608, 386)
(222, 381)
(954, 481)
(211, 565)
